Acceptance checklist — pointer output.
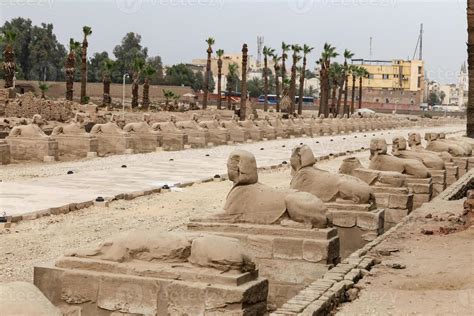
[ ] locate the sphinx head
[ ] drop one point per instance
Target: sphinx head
(242, 168)
(80, 118)
(431, 136)
(147, 118)
(321, 116)
(349, 165)
(173, 119)
(399, 143)
(378, 146)
(195, 117)
(37, 119)
(251, 117)
(414, 139)
(442, 135)
(216, 117)
(301, 157)
(330, 116)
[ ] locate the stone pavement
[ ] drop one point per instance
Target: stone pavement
(152, 171)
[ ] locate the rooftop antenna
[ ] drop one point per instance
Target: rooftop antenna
(419, 44)
(370, 48)
(260, 40)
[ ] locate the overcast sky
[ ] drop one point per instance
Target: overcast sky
(176, 29)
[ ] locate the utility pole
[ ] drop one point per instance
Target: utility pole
(370, 48)
(421, 41)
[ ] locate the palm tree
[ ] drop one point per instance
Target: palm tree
(336, 73)
(276, 66)
(292, 93)
(43, 87)
(70, 68)
(87, 31)
(347, 55)
(232, 78)
(284, 56)
(148, 71)
(210, 41)
(138, 65)
(106, 73)
(9, 65)
(306, 51)
(219, 53)
(267, 51)
(168, 94)
(243, 90)
(470, 52)
(329, 52)
(354, 71)
(363, 73)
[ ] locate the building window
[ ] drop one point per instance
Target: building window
(387, 100)
(385, 76)
(377, 100)
(371, 76)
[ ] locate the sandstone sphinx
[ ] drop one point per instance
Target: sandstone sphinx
(254, 131)
(198, 137)
(112, 139)
(293, 128)
(459, 152)
(269, 132)
(315, 124)
(281, 129)
(29, 142)
(156, 273)
(285, 230)
(218, 135)
(144, 139)
(73, 140)
(173, 138)
(419, 176)
(351, 202)
(307, 128)
(237, 133)
(430, 160)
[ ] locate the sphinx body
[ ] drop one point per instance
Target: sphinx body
(327, 186)
(281, 129)
(252, 202)
(254, 131)
(197, 135)
(32, 130)
(217, 134)
(461, 142)
(268, 131)
(76, 127)
(237, 132)
(430, 160)
(414, 141)
(380, 160)
(435, 144)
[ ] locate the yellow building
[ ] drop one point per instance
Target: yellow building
(404, 80)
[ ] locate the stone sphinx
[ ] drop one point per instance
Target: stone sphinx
(436, 144)
(380, 160)
(327, 186)
(430, 160)
(112, 139)
(29, 142)
(315, 124)
(281, 129)
(414, 141)
(156, 273)
(237, 133)
(307, 129)
(254, 131)
(218, 135)
(269, 132)
(73, 140)
(198, 136)
(293, 128)
(144, 139)
(461, 142)
(173, 138)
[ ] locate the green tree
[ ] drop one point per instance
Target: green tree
(107, 68)
(292, 93)
(347, 69)
(328, 53)
(306, 50)
(138, 65)
(43, 87)
(336, 73)
(433, 99)
(232, 81)
(267, 51)
(256, 87)
(157, 64)
(210, 41)
(277, 68)
(284, 56)
(95, 66)
(9, 65)
(126, 53)
(243, 83)
(87, 31)
(219, 53)
(70, 68)
(148, 72)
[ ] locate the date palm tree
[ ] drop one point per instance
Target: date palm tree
(243, 90)
(292, 93)
(284, 56)
(169, 95)
(267, 51)
(148, 71)
(210, 41)
(219, 53)
(354, 71)
(328, 53)
(276, 67)
(336, 77)
(43, 86)
(232, 79)
(70, 68)
(138, 65)
(347, 55)
(87, 30)
(470, 54)
(106, 79)
(306, 50)
(363, 73)
(9, 65)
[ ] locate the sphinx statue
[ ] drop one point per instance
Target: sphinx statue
(249, 125)
(327, 186)
(139, 127)
(237, 132)
(293, 129)
(32, 130)
(197, 135)
(218, 135)
(461, 142)
(192, 124)
(280, 128)
(430, 160)
(307, 128)
(169, 127)
(414, 141)
(76, 127)
(380, 160)
(252, 202)
(269, 132)
(435, 144)
(111, 127)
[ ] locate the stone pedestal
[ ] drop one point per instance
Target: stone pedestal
(219, 136)
(4, 153)
(174, 141)
(356, 225)
(438, 177)
(462, 163)
(114, 144)
(255, 134)
(77, 145)
(239, 135)
(451, 173)
(198, 138)
(269, 134)
(100, 287)
(290, 258)
(397, 203)
(36, 149)
(422, 190)
(145, 142)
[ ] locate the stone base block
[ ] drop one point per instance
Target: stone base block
(174, 141)
(289, 257)
(356, 228)
(417, 185)
(394, 216)
(36, 149)
(420, 198)
(91, 155)
(100, 287)
(470, 163)
(395, 198)
(76, 145)
(197, 138)
(219, 137)
(145, 142)
(239, 136)
(114, 144)
(462, 163)
(49, 159)
(4, 153)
